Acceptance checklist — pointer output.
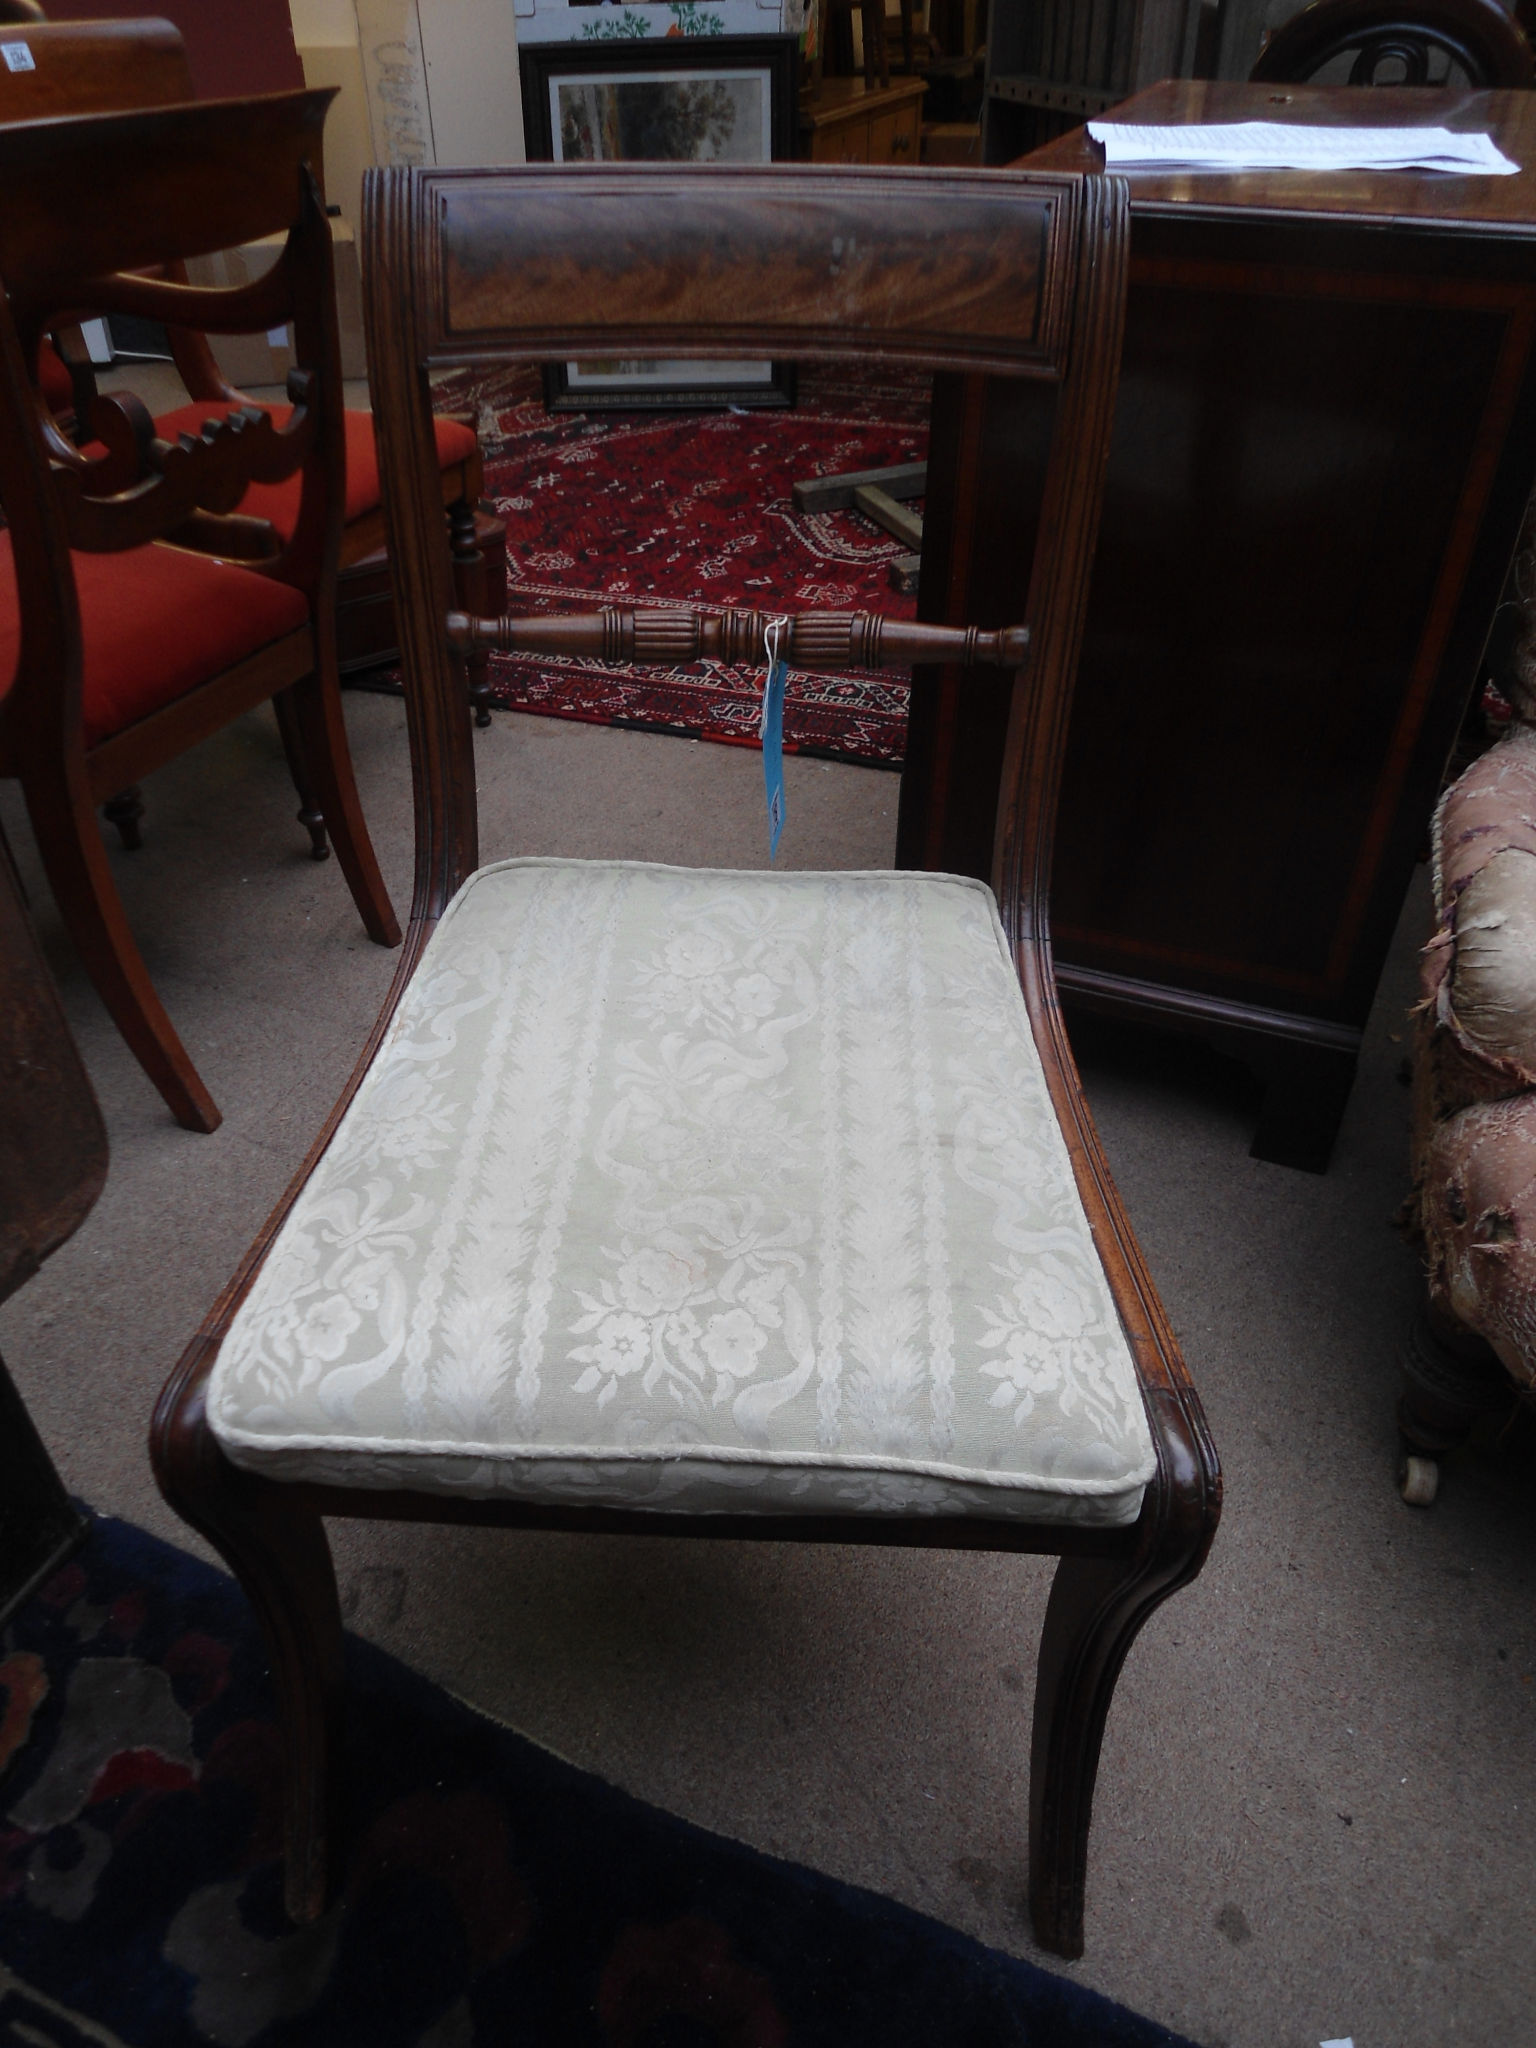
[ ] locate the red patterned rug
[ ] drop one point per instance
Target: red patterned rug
(670, 508)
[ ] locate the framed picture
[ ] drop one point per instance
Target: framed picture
(673, 99)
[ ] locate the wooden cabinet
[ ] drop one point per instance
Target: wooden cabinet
(1053, 63)
(849, 122)
(1324, 440)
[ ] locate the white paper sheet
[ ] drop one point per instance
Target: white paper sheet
(1289, 146)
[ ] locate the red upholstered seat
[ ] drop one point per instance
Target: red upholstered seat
(280, 502)
(53, 377)
(156, 622)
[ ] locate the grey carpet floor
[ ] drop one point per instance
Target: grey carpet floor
(1313, 1817)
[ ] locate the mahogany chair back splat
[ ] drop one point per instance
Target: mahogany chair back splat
(1399, 42)
(1013, 274)
(126, 652)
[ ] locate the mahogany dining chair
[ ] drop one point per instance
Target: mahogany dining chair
(717, 1203)
(121, 652)
(99, 67)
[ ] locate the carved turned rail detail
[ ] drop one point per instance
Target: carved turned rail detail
(805, 640)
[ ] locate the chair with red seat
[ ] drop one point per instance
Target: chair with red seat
(120, 652)
(90, 67)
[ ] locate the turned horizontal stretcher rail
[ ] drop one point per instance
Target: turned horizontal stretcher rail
(804, 640)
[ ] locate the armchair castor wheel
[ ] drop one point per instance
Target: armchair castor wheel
(1418, 1479)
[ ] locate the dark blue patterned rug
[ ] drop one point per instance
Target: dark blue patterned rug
(493, 1894)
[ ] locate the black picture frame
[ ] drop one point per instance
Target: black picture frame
(654, 60)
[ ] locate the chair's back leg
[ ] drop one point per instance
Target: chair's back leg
(327, 762)
(75, 861)
(311, 817)
(124, 810)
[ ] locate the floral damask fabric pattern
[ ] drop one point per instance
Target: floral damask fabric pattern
(701, 1190)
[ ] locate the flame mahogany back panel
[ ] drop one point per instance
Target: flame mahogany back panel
(978, 282)
(1324, 438)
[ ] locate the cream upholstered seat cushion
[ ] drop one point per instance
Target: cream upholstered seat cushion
(705, 1191)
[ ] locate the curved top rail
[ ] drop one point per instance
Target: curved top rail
(96, 67)
(956, 270)
(101, 192)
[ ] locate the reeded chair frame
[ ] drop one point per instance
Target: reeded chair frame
(1005, 273)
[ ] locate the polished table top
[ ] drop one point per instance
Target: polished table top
(1493, 205)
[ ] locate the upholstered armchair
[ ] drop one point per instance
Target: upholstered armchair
(1473, 1206)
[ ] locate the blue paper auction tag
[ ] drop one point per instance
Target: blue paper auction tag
(773, 751)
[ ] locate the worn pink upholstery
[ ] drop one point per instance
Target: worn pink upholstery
(1474, 1201)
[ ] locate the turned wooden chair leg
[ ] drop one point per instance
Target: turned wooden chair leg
(310, 815)
(469, 592)
(124, 811)
(1096, 1608)
(279, 1553)
(322, 735)
(75, 862)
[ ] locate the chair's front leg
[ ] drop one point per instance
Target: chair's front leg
(279, 1553)
(1096, 1608)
